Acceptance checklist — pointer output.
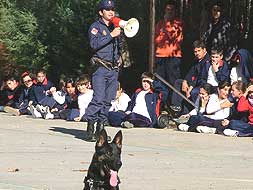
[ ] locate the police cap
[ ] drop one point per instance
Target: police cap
(106, 4)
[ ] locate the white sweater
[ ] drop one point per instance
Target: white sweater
(214, 109)
(83, 101)
(121, 103)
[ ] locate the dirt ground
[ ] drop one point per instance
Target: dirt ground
(37, 154)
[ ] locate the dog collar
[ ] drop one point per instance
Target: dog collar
(94, 184)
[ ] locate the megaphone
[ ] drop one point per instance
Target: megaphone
(130, 27)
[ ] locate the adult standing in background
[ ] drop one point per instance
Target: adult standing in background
(168, 39)
(220, 32)
(106, 44)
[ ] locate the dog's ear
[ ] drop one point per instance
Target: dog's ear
(102, 138)
(118, 139)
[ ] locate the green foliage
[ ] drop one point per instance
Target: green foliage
(63, 26)
(19, 32)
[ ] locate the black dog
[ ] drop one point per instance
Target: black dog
(105, 164)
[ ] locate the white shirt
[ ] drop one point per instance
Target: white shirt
(140, 105)
(121, 103)
(83, 101)
(211, 78)
(214, 109)
(59, 96)
(236, 74)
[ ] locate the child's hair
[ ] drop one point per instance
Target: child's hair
(223, 84)
(71, 81)
(208, 88)
(83, 80)
(62, 84)
(26, 73)
(239, 85)
(41, 71)
(217, 51)
(10, 78)
(147, 75)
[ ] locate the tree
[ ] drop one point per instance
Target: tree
(19, 34)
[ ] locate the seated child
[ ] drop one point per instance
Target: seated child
(84, 97)
(23, 103)
(121, 100)
(144, 107)
(70, 99)
(240, 127)
(10, 96)
(120, 103)
(204, 94)
(40, 93)
(217, 109)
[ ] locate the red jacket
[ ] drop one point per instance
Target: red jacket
(244, 105)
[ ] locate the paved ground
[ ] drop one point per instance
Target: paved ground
(52, 155)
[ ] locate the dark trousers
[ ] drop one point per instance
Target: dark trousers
(48, 101)
(245, 129)
(197, 120)
(116, 118)
(104, 84)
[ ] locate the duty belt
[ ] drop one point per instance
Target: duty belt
(106, 64)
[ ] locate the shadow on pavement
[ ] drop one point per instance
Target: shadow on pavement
(79, 134)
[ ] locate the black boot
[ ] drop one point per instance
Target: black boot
(100, 126)
(90, 132)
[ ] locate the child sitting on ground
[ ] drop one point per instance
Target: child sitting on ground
(84, 97)
(119, 104)
(10, 96)
(144, 107)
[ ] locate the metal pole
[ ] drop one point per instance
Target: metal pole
(152, 35)
(174, 89)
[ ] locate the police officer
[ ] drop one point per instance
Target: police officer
(105, 42)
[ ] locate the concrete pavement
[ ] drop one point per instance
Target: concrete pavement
(52, 155)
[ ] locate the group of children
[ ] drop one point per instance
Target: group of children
(223, 103)
(227, 111)
(37, 96)
(222, 93)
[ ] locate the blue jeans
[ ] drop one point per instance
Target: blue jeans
(245, 129)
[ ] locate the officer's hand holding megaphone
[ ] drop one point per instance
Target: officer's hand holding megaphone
(130, 27)
(116, 32)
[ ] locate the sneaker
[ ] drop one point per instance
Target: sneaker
(183, 127)
(205, 129)
(11, 110)
(48, 114)
(35, 113)
(127, 125)
(41, 109)
(230, 133)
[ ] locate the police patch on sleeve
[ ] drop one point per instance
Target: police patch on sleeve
(94, 31)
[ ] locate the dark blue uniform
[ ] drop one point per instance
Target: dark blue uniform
(104, 80)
